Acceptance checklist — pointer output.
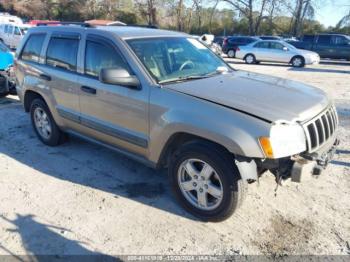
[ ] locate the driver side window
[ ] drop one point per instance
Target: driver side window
(99, 55)
(277, 46)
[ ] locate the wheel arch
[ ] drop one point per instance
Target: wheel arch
(295, 56)
(180, 138)
(249, 54)
(29, 97)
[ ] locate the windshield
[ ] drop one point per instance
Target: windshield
(174, 59)
(24, 30)
(289, 45)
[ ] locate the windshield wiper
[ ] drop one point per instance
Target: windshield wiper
(183, 79)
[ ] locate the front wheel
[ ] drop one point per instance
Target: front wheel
(205, 181)
(298, 61)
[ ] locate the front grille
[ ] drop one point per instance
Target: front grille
(320, 129)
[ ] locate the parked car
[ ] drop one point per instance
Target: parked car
(6, 18)
(270, 37)
(335, 46)
(12, 34)
(6, 63)
(231, 44)
(219, 40)
(208, 40)
(163, 98)
(276, 51)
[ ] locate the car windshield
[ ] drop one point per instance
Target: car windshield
(24, 30)
(289, 45)
(177, 59)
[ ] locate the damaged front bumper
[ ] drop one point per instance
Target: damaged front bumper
(298, 167)
(312, 164)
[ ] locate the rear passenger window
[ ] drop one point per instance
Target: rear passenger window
(262, 45)
(62, 53)
(99, 55)
(324, 39)
(32, 49)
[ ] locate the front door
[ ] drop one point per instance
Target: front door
(278, 53)
(114, 114)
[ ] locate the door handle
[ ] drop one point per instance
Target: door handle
(45, 77)
(88, 89)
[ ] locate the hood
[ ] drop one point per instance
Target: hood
(269, 98)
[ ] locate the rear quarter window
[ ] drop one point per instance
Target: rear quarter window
(32, 48)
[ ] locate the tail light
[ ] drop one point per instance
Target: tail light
(225, 41)
(238, 49)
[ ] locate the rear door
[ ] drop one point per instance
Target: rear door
(113, 114)
(261, 51)
(8, 35)
(17, 36)
(60, 74)
(324, 46)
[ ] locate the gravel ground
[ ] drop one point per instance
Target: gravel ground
(80, 198)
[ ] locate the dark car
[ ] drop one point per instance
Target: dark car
(231, 44)
(335, 46)
(219, 40)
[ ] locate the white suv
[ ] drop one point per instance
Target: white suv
(11, 34)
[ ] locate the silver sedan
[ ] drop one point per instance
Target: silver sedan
(276, 51)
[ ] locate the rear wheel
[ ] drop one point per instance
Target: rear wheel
(298, 61)
(231, 53)
(205, 181)
(250, 59)
(44, 125)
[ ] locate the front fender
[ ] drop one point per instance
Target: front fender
(235, 131)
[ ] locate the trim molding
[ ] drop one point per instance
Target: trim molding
(103, 128)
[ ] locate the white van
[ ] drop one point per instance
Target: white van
(11, 34)
(6, 18)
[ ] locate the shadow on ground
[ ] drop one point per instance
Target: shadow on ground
(83, 163)
(38, 239)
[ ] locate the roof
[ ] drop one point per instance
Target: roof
(125, 32)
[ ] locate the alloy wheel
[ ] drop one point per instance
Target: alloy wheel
(200, 184)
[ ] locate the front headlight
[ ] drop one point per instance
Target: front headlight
(284, 140)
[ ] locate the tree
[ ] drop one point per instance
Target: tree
(247, 9)
(148, 9)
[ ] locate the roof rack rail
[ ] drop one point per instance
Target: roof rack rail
(82, 24)
(144, 26)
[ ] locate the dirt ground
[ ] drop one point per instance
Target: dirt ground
(80, 198)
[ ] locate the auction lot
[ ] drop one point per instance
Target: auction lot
(80, 198)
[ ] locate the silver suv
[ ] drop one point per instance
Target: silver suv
(165, 99)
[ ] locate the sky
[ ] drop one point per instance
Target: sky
(328, 12)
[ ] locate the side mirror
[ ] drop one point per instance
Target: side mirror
(285, 48)
(119, 76)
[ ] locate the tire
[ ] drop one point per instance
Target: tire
(225, 177)
(298, 61)
(55, 136)
(250, 59)
(231, 53)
